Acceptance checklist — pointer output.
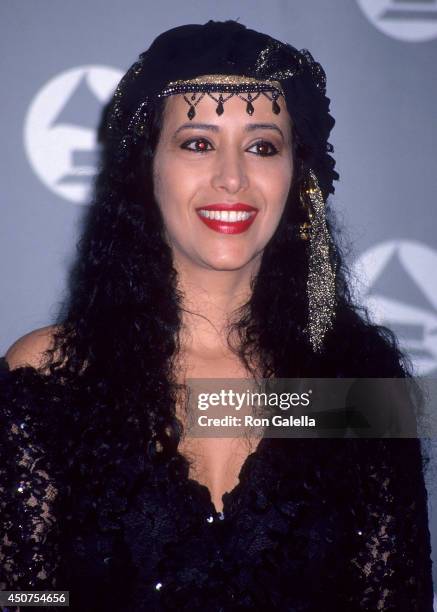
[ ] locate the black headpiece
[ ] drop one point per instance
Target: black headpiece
(199, 60)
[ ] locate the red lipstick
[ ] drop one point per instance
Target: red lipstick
(227, 218)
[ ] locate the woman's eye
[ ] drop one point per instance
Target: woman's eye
(264, 148)
(200, 145)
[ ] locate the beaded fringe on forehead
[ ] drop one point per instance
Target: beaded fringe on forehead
(221, 82)
(231, 84)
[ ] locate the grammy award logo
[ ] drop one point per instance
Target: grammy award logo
(60, 129)
(406, 20)
(397, 282)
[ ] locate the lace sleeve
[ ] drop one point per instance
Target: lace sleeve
(389, 558)
(28, 553)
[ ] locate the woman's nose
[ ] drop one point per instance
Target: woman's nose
(229, 170)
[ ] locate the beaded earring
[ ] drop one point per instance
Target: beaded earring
(321, 275)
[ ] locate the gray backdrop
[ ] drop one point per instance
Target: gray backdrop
(60, 62)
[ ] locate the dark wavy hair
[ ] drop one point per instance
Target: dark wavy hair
(117, 337)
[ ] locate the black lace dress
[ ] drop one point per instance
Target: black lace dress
(313, 525)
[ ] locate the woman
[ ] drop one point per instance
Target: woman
(207, 253)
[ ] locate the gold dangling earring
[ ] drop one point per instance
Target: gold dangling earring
(321, 276)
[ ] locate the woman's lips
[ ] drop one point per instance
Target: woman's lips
(228, 218)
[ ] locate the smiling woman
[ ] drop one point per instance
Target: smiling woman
(222, 183)
(208, 252)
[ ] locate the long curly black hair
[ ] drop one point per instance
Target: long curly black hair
(118, 332)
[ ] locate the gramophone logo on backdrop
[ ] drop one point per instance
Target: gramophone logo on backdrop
(408, 20)
(60, 129)
(399, 286)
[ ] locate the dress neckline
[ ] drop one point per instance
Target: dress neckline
(229, 498)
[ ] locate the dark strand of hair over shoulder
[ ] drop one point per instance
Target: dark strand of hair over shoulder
(118, 335)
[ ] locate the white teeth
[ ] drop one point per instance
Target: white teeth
(231, 216)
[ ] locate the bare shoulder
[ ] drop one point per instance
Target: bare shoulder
(29, 349)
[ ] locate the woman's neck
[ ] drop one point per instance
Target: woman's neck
(210, 297)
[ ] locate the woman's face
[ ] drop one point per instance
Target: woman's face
(221, 182)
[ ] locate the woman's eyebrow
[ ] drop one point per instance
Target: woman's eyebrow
(249, 127)
(198, 126)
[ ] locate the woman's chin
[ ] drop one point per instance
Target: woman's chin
(219, 259)
(231, 262)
